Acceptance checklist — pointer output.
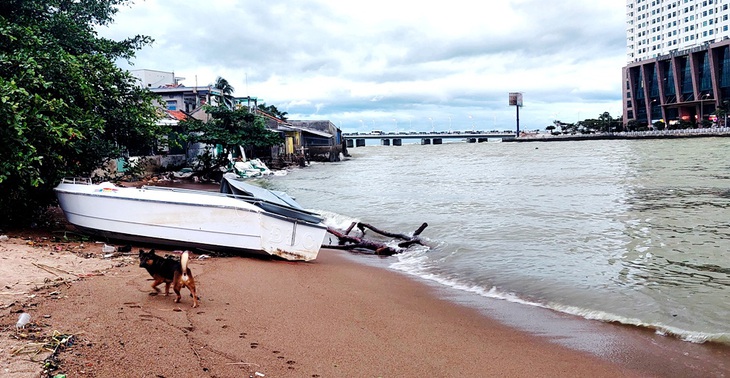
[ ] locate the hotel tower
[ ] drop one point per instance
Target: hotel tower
(678, 54)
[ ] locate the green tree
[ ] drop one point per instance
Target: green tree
(590, 126)
(606, 121)
(632, 125)
(722, 112)
(228, 129)
(65, 108)
(226, 90)
(272, 111)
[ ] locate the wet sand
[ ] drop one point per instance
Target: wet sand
(328, 318)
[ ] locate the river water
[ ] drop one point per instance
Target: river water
(634, 232)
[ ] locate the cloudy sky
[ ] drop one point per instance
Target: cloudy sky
(396, 64)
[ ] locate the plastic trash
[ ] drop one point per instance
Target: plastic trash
(4, 238)
(23, 319)
(108, 248)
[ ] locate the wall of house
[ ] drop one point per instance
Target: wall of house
(153, 79)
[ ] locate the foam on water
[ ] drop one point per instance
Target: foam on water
(335, 220)
(416, 262)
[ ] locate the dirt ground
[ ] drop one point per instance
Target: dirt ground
(35, 267)
(92, 316)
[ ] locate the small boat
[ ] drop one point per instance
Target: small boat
(241, 217)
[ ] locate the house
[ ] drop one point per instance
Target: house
(174, 95)
(311, 140)
(315, 140)
(322, 140)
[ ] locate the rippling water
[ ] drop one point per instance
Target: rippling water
(631, 231)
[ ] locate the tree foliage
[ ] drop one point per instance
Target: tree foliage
(273, 111)
(229, 128)
(226, 89)
(605, 123)
(65, 108)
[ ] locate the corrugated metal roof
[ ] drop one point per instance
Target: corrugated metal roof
(315, 132)
(177, 114)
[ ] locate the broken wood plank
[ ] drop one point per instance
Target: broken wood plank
(361, 244)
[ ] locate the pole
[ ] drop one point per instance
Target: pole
(702, 102)
(518, 120)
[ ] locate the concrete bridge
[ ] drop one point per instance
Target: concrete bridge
(396, 139)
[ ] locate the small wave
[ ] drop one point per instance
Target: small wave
(335, 220)
(416, 262)
(660, 329)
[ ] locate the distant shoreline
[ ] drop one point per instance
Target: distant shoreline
(670, 134)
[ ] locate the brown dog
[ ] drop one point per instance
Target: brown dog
(170, 271)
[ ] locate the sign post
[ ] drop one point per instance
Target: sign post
(515, 99)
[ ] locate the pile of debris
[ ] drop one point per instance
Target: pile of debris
(362, 245)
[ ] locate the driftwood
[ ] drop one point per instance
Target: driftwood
(355, 243)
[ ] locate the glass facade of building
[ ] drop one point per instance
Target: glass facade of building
(679, 60)
(678, 87)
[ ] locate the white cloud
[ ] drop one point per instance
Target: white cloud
(380, 61)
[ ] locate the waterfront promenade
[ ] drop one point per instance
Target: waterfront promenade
(654, 134)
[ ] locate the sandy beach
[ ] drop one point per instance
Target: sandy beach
(332, 317)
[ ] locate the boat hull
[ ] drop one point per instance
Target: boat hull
(187, 219)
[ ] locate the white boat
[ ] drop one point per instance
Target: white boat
(241, 217)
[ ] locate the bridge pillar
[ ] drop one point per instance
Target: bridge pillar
(349, 143)
(437, 141)
(360, 142)
(385, 142)
(425, 141)
(397, 142)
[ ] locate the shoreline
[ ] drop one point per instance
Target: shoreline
(335, 316)
(631, 347)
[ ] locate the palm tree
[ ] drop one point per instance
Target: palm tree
(273, 111)
(606, 121)
(226, 90)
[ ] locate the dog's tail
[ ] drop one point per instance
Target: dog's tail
(184, 264)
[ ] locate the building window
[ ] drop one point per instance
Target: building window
(171, 105)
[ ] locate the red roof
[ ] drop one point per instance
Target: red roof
(177, 114)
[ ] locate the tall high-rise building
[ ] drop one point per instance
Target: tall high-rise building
(678, 54)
